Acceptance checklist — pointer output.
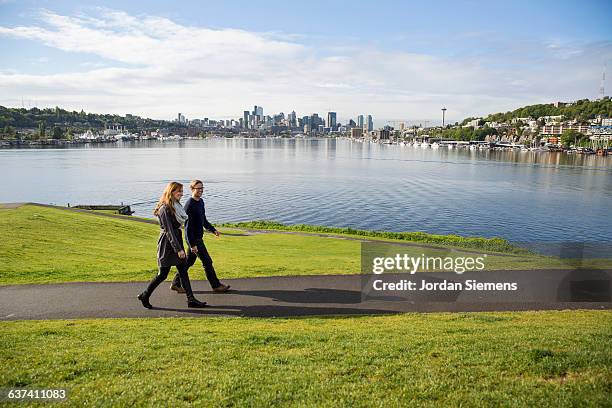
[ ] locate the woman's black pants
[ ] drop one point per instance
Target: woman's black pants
(163, 274)
(207, 263)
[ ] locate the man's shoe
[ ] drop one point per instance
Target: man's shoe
(193, 302)
(178, 289)
(145, 301)
(222, 288)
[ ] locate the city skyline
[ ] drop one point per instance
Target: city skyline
(252, 119)
(401, 63)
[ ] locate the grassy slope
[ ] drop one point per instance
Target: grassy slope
(39, 245)
(541, 359)
(43, 245)
(485, 244)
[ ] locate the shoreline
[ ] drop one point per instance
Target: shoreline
(451, 145)
(498, 246)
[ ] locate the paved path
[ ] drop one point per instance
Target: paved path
(308, 295)
(312, 295)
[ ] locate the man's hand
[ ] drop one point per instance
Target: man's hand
(181, 254)
(217, 233)
(194, 249)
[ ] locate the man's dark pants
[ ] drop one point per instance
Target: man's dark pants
(207, 263)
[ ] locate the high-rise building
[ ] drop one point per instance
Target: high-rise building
(370, 123)
(360, 121)
(306, 120)
(245, 118)
(292, 119)
(316, 121)
(279, 119)
(257, 117)
(331, 120)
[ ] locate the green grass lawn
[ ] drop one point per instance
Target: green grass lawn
(44, 245)
(49, 245)
(544, 359)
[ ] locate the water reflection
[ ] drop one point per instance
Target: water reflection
(516, 195)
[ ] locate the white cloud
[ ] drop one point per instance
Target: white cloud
(563, 50)
(162, 67)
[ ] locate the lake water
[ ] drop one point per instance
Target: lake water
(520, 196)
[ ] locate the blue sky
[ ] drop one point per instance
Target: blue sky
(396, 60)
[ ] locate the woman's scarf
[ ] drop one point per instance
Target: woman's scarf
(179, 212)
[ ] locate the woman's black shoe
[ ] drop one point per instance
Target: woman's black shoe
(193, 302)
(145, 301)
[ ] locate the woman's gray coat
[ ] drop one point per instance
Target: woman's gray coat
(170, 240)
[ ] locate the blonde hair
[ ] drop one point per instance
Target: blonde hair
(195, 183)
(167, 197)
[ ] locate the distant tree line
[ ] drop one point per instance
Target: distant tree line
(465, 133)
(582, 110)
(468, 120)
(59, 123)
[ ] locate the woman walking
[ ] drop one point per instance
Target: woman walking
(170, 251)
(194, 235)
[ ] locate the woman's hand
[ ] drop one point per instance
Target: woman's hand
(181, 254)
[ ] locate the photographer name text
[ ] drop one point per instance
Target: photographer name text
(444, 285)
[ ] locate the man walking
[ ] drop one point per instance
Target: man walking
(194, 232)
